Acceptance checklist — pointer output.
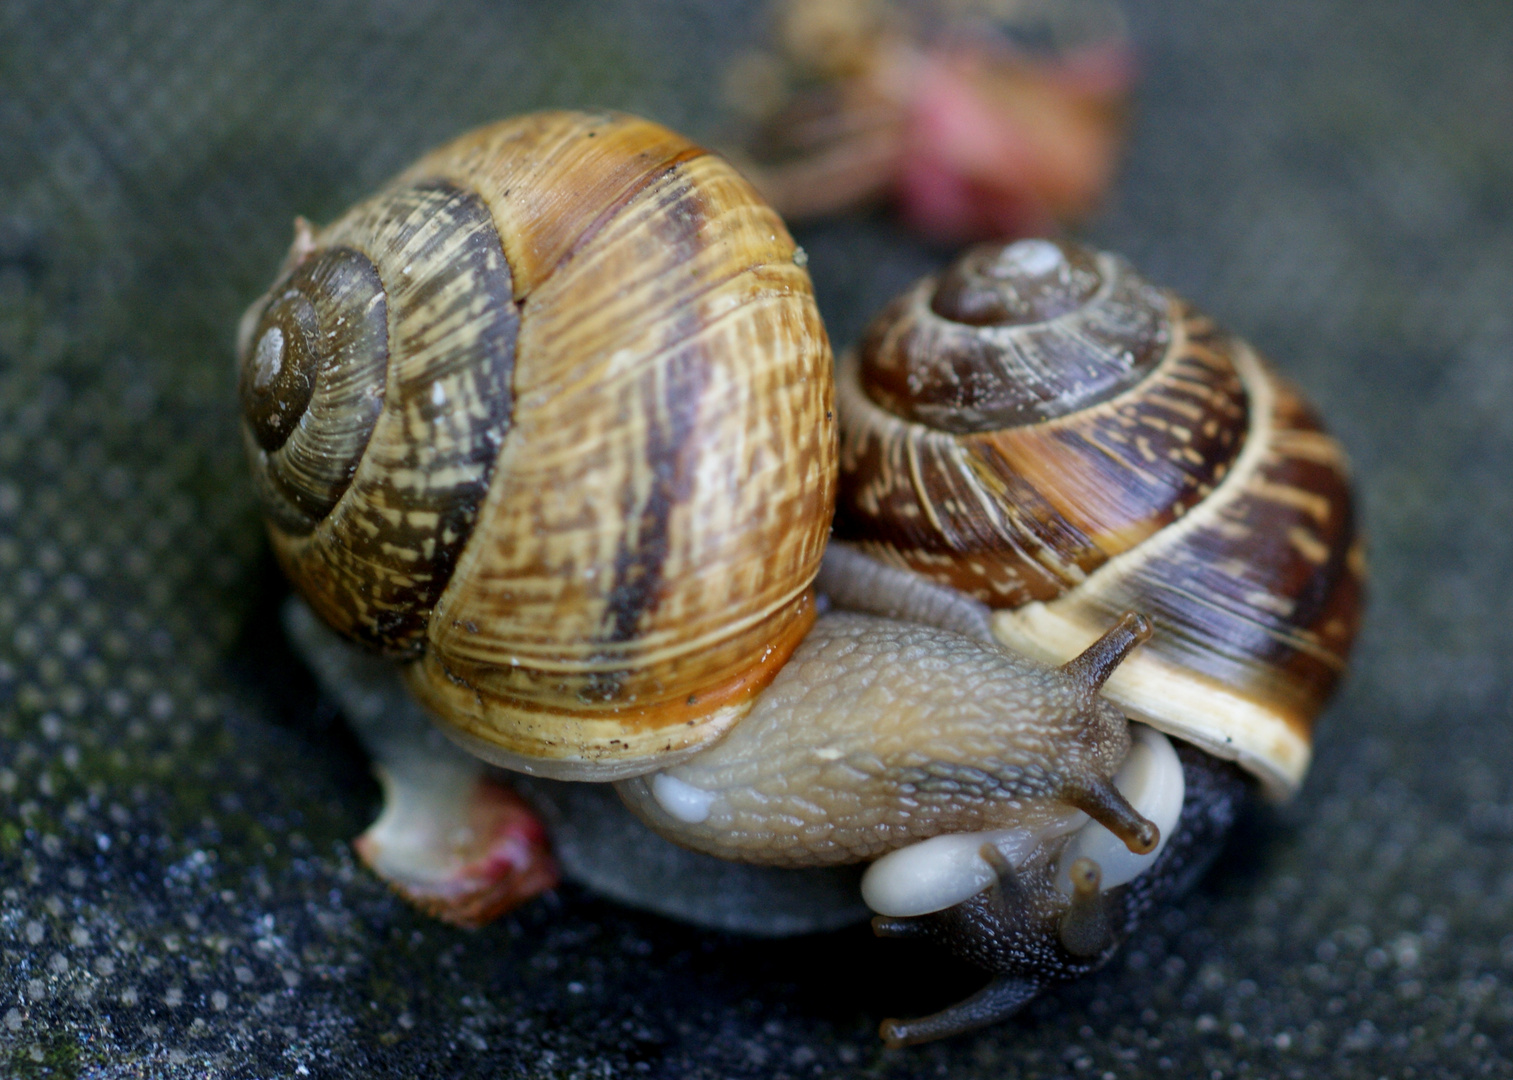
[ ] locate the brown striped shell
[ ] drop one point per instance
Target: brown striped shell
(551, 415)
(1047, 432)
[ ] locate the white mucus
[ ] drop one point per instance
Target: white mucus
(681, 799)
(945, 870)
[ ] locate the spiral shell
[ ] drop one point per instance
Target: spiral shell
(551, 415)
(1047, 432)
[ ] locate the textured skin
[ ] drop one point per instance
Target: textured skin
(877, 733)
(1333, 178)
(850, 580)
(595, 840)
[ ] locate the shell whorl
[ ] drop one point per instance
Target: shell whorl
(1106, 449)
(1012, 335)
(570, 402)
(368, 518)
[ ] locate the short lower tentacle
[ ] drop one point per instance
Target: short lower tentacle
(1086, 929)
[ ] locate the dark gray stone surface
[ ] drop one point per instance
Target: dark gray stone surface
(176, 895)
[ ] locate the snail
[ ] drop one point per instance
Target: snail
(1040, 430)
(550, 421)
(974, 118)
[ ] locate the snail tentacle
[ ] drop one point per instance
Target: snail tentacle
(1000, 999)
(1086, 929)
(1097, 662)
(1045, 432)
(1101, 800)
(1022, 926)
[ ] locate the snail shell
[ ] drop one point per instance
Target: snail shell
(478, 407)
(1048, 433)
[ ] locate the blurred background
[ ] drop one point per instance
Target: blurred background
(177, 898)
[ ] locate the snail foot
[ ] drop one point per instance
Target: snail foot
(1085, 929)
(906, 927)
(999, 1000)
(465, 853)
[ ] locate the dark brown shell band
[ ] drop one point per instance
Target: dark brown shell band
(1204, 493)
(1263, 593)
(603, 472)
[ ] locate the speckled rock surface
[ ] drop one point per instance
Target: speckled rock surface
(1332, 179)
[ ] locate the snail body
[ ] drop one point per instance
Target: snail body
(830, 767)
(550, 420)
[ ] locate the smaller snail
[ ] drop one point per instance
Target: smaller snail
(550, 421)
(975, 118)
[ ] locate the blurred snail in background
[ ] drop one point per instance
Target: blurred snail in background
(551, 421)
(977, 119)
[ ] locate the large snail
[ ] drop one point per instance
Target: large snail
(551, 418)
